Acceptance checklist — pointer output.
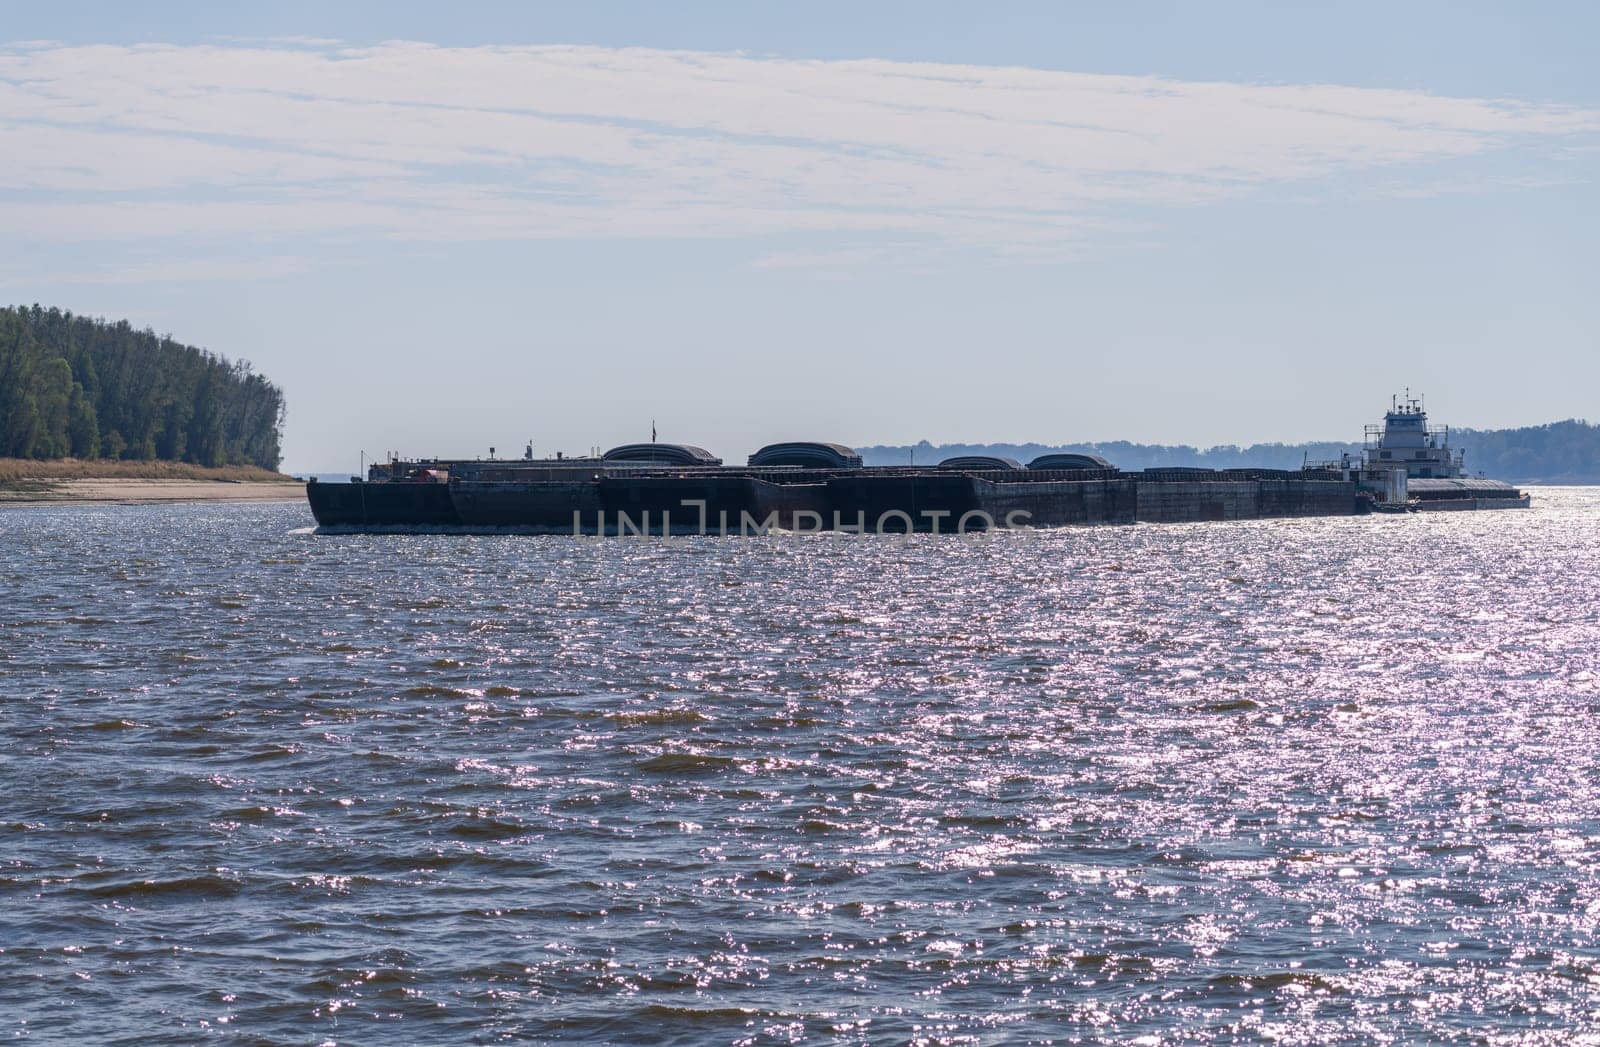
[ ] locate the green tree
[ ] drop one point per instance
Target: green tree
(83, 428)
(74, 385)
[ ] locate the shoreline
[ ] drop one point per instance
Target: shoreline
(128, 491)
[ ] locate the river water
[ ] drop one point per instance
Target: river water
(1306, 782)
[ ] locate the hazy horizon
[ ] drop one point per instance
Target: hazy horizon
(877, 449)
(444, 231)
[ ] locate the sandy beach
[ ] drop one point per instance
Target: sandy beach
(146, 492)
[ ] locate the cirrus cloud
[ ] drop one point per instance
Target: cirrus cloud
(307, 140)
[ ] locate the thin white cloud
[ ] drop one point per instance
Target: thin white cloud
(171, 271)
(303, 140)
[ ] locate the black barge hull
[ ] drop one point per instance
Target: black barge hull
(359, 505)
(731, 501)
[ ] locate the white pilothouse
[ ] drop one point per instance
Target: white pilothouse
(1406, 441)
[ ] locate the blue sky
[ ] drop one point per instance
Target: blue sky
(445, 230)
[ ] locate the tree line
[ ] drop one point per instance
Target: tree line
(1561, 452)
(73, 386)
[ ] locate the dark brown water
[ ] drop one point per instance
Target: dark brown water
(1303, 782)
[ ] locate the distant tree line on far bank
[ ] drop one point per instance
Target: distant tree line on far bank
(1561, 452)
(72, 386)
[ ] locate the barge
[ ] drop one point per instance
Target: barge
(659, 488)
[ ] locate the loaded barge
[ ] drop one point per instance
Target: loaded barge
(659, 488)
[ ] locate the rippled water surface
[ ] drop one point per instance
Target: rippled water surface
(1306, 781)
